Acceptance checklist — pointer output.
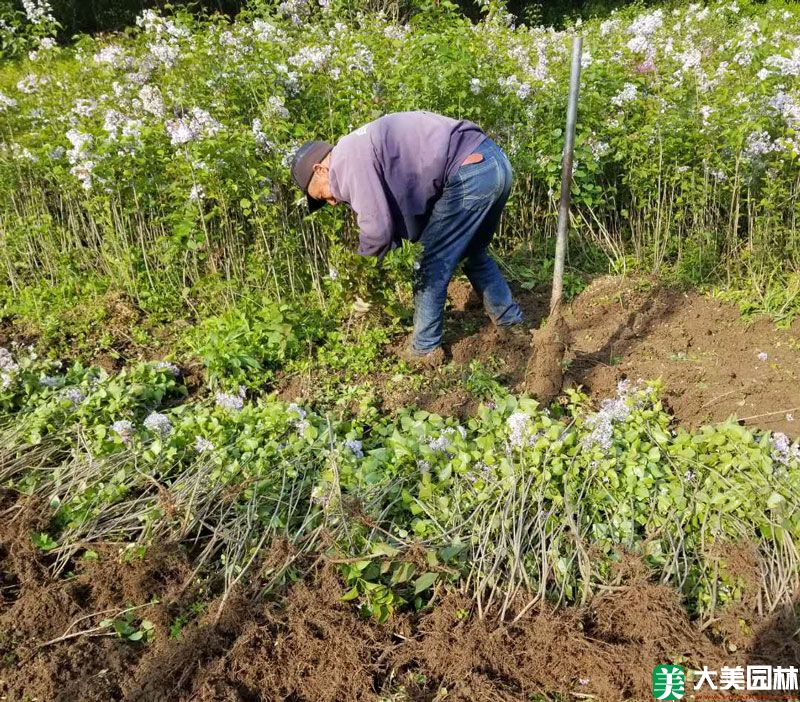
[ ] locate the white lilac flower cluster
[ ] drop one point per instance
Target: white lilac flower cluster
(83, 107)
(23, 153)
(50, 381)
(164, 52)
(153, 23)
(311, 57)
(111, 55)
(229, 401)
(759, 144)
(395, 31)
(599, 148)
(6, 102)
(158, 423)
(290, 79)
(277, 107)
(73, 395)
(301, 423)
(264, 31)
(151, 100)
(361, 59)
(31, 83)
(203, 445)
(295, 10)
(8, 368)
(197, 193)
(786, 65)
(45, 44)
(608, 26)
(520, 431)
(261, 139)
(164, 49)
(784, 104)
(197, 124)
(611, 411)
(288, 153)
(783, 451)
(513, 84)
(440, 443)
(38, 11)
(643, 28)
(444, 441)
(627, 94)
(355, 447)
(124, 429)
(114, 123)
(82, 166)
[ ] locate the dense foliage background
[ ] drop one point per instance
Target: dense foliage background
(82, 16)
(157, 159)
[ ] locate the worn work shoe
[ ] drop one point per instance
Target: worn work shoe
(513, 332)
(430, 359)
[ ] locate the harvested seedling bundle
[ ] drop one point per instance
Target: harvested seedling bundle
(544, 375)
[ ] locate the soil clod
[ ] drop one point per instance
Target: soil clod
(544, 374)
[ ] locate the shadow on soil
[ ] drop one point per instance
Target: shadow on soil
(709, 359)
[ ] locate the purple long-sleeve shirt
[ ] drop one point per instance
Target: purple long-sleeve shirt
(392, 170)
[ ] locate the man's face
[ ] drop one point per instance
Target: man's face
(319, 186)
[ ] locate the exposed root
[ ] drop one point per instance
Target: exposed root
(544, 374)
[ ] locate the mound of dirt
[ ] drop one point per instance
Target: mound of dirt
(712, 362)
(305, 644)
(544, 375)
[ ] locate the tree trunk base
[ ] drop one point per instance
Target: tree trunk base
(544, 374)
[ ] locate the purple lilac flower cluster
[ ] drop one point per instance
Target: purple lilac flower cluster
(355, 447)
(301, 423)
(612, 410)
(124, 430)
(231, 402)
(783, 451)
(520, 430)
(8, 368)
(158, 423)
(203, 445)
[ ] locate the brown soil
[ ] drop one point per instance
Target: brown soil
(307, 645)
(544, 375)
(702, 349)
(705, 353)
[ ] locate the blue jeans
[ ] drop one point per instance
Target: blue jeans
(461, 226)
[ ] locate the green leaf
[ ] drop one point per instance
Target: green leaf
(403, 573)
(351, 594)
(424, 581)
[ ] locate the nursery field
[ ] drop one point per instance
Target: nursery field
(220, 481)
(229, 548)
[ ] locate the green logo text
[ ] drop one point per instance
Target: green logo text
(668, 682)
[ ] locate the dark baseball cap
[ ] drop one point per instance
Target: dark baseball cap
(303, 168)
